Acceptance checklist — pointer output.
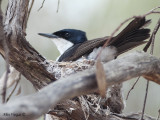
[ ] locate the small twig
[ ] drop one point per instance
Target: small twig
(41, 5)
(145, 99)
(30, 8)
(132, 87)
(153, 36)
(18, 79)
(151, 40)
(152, 11)
(58, 5)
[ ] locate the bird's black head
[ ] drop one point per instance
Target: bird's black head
(72, 35)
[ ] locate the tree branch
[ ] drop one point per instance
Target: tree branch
(22, 55)
(82, 83)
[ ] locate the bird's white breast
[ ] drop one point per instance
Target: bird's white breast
(62, 44)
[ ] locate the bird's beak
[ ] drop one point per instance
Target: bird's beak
(48, 35)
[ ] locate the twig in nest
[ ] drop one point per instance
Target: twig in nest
(132, 88)
(58, 5)
(18, 79)
(84, 106)
(41, 5)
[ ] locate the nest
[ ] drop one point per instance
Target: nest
(87, 106)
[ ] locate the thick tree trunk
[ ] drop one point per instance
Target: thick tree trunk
(21, 54)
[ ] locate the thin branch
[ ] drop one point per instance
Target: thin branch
(145, 100)
(41, 5)
(132, 88)
(18, 79)
(30, 8)
(152, 11)
(152, 37)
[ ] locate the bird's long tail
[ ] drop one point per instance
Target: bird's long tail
(133, 35)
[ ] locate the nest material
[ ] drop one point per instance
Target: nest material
(87, 106)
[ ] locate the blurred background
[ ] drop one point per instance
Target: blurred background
(98, 18)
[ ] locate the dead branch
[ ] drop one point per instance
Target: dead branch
(82, 83)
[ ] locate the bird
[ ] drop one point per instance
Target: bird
(73, 43)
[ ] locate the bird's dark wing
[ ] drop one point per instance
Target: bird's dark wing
(133, 35)
(68, 53)
(81, 49)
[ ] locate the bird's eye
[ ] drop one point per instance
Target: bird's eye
(67, 35)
